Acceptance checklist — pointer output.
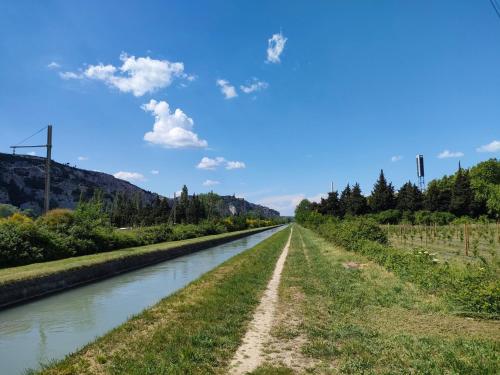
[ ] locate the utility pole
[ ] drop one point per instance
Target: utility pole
(47, 168)
(48, 146)
(174, 208)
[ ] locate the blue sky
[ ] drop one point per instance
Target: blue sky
(346, 88)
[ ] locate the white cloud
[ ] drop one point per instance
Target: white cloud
(255, 85)
(83, 158)
(53, 65)
(494, 146)
(212, 164)
(136, 75)
(171, 129)
(396, 158)
(450, 154)
(286, 204)
(32, 153)
(226, 88)
(275, 47)
(235, 165)
(129, 176)
(154, 171)
(70, 75)
(210, 183)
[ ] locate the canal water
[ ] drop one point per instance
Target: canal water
(49, 328)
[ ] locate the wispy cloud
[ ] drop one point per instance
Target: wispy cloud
(275, 47)
(254, 85)
(136, 75)
(396, 158)
(493, 146)
(70, 75)
(155, 172)
(450, 154)
(228, 90)
(235, 165)
(53, 65)
(171, 129)
(210, 183)
(83, 158)
(129, 176)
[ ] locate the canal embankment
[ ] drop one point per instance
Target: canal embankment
(195, 330)
(25, 283)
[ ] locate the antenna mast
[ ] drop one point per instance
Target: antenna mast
(420, 172)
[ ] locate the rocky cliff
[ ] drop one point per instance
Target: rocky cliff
(22, 182)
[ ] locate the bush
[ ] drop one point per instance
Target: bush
(59, 219)
(388, 217)
(349, 233)
(7, 210)
(63, 233)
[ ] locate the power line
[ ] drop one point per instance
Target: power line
(31, 136)
(496, 7)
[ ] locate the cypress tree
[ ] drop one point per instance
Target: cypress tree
(344, 201)
(461, 195)
(357, 203)
(182, 207)
(382, 197)
(409, 198)
(330, 205)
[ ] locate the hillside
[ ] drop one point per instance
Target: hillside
(22, 185)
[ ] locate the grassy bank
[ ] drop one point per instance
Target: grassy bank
(194, 331)
(470, 289)
(36, 270)
(341, 313)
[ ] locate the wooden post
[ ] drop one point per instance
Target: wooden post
(466, 239)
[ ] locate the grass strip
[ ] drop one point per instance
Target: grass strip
(359, 318)
(35, 270)
(194, 331)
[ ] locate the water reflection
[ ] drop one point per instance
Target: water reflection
(54, 326)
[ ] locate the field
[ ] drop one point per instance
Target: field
(454, 242)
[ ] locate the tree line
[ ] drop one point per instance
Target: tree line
(470, 192)
(129, 211)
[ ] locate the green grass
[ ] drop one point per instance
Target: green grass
(194, 331)
(357, 318)
(46, 268)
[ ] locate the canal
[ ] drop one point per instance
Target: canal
(52, 327)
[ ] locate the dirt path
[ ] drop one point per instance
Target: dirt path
(250, 354)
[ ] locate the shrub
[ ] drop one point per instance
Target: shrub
(59, 219)
(7, 210)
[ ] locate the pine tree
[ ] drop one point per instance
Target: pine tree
(382, 197)
(330, 205)
(409, 198)
(357, 203)
(182, 207)
(461, 195)
(345, 200)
